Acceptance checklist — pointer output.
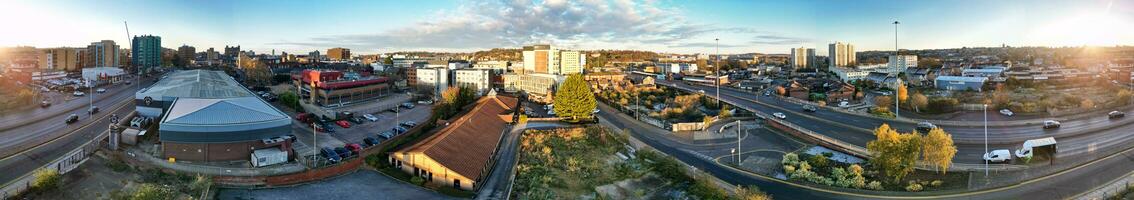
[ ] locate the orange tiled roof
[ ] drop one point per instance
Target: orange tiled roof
(467, 144)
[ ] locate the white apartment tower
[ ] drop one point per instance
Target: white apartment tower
(545, 59)
(802, 57)
(841, 54)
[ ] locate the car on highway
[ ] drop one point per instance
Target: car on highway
(925, 126)
(370, 117)
(101, 90)
(779, 115)
(810, 108)
(701, 91)
(999, 155)
(1115, 114)
(78, 94)
(44, 103)
(343, 123)
(92, 110)
(844, 104)
(1051, 124)
(1007, 112)
(595, 111)
(767, 93)
(330, 154)
(72, 118)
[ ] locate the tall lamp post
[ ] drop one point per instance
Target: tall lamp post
(986, 139)
(898, 81)
(716, 68)
(738, 152)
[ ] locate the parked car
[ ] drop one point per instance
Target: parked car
(330, 154)
(101, 90)
(44, 103)
(409, 123)
(92, 110)
(701, 91)
(844, 104)
(355, 149)
(72, 118)
(357, 120)
(924, 127)
(407, 105)
(779, 115)
(810, 108)
(1116, 114)
(999, 155)
(1050, 124)
(343, 123)
(370, 117)
(426, 102)
(400, 130)
(386, 135)
(371, 141)
(343, 152)
(767, 93)
(1007, 112)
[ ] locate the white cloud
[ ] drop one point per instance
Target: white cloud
(586, 24)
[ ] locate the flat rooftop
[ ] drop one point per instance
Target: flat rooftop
(200, 84)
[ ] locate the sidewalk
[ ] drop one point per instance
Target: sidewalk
(1109, 190)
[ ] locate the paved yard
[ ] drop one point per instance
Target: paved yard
(364, 184)
(386, 122)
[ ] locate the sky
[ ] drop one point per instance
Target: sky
(654, 25)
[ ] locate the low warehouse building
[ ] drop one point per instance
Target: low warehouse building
(208, 116)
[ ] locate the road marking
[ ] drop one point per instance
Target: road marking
(123, 104)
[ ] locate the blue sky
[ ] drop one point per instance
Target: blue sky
(661, 25)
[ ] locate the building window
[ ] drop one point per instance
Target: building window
(457, 183)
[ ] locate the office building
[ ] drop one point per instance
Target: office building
(841, 55)
(899, 63)
(330, 87)
(187, 52)
(231, 52)
(338, 54)
(102, 54)
(539, 87)
(545, 59)
(61, 59)
(478, 79)
(146, 53)
(802, 57)
(435, 77)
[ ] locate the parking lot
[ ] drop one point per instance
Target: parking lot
(386, 122)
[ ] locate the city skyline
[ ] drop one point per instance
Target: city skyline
(664, 26)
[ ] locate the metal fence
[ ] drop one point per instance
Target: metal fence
(64, 164)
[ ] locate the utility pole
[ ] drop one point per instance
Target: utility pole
(898, 81)
(314, 142)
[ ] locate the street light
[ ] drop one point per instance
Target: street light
(986, 139)
(898, 81)
(738, 143)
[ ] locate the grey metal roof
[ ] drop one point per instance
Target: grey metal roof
(203, 84)
(221, 111)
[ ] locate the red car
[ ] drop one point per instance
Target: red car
(355, 148)
(343, 123)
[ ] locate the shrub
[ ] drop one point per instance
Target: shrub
(936, 183)
(855, 169)
(803, 165)
(788, 169)
(417, 180)
(152, 191)
(858, 182)
(790, 159)
(819, 161)
(46, 179)
(874, 185)
(914, 187)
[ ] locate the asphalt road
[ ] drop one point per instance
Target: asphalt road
(1063, 184)
(1075, 138)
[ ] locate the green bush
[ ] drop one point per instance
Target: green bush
(417, 180)
(819, 161)
(790, 159)
(788, 169)
(46, 180)
(874, 185)
(858, 182)
(914, 187)
(855, 169)
(150, 191)
(936, 183)
(803, 165)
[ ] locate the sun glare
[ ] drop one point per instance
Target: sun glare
(1091, 29)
